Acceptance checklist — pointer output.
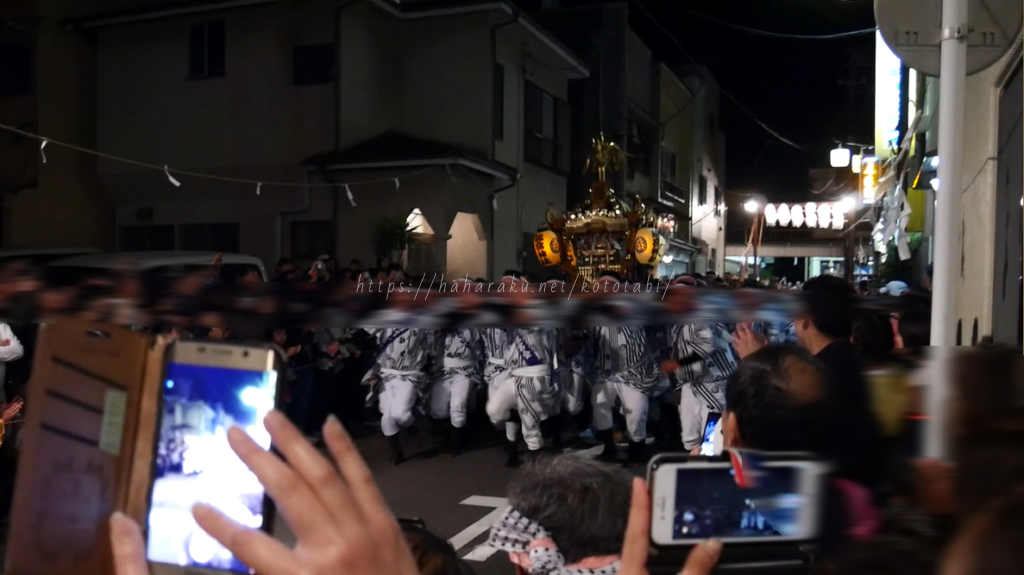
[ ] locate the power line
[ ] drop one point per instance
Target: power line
(781, 35)
(723, 91)
(686, 105)
(259, 183)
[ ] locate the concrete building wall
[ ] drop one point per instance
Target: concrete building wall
(978, 200)
(707, 225)
(66, 207)
(252, 124)
(678, 131)
(521, 208)
(638, 71)
(445, 79)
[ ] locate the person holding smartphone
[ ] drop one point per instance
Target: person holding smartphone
(701, 361)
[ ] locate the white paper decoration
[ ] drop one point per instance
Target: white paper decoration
(796, 213)
(784, 215)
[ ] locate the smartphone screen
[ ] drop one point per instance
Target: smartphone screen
(707, 446)
(696, 501)
(194, 463)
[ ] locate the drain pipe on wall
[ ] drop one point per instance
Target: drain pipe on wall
(516, 16)
(494, 219)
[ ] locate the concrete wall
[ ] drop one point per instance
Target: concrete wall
(710, 162)
(638, 71)
(522, 208)
(251, 124)
(67, 207)
(678, 132)
(978, 201)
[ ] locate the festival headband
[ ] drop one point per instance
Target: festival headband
(530, 546)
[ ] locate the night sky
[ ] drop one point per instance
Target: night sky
(796, 87)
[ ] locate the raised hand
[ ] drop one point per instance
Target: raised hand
(339, 517)
(746, 342)
(11, 410)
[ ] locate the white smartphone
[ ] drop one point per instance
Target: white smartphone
(207, 389)
(696, 500)
(707, 446)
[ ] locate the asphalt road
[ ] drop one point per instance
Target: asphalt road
(458, 498)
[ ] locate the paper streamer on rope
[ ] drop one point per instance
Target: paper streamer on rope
(258, 186)
(167, 172)
(903, 248)
(42, 149)
(397, 187)
(348, 192)
(494, 202)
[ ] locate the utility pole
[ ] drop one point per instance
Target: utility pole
(952, 82)
(756, 233)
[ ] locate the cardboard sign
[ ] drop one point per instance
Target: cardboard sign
(86, 447)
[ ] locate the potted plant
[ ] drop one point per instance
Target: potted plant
(394, 235)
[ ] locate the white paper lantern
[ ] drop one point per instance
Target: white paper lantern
(824, 216)
(811, 219)
(796, 213)
(770, 215)
(810, 208)
(838, 221)
(784, 215)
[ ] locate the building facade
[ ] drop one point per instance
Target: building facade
(334, 116)
(989, 297)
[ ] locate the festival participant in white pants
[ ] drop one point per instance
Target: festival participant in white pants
(400, 380)
(531, 359)
(702, 361)
(627, 374)
(459, 375)
(499, 384)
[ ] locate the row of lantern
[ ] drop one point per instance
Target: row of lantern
(814, 215)
(649, 248)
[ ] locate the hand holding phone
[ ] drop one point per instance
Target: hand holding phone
(636, 545)
(769, 502)
(338, 515)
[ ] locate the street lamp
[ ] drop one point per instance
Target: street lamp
(840, 157)
(847, 204)
(751, 206)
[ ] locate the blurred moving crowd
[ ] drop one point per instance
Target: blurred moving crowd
(845, 385)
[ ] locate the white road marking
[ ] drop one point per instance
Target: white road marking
(592, 452)
(481, 553)
(467, 535)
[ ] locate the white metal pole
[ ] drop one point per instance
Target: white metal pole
(952, 81)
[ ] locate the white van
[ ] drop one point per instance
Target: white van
(155, 264)
(42, 256)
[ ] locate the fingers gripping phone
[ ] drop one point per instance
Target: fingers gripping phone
(207, 389)
(699, 499)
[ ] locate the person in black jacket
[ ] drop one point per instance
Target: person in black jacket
(854, 440)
